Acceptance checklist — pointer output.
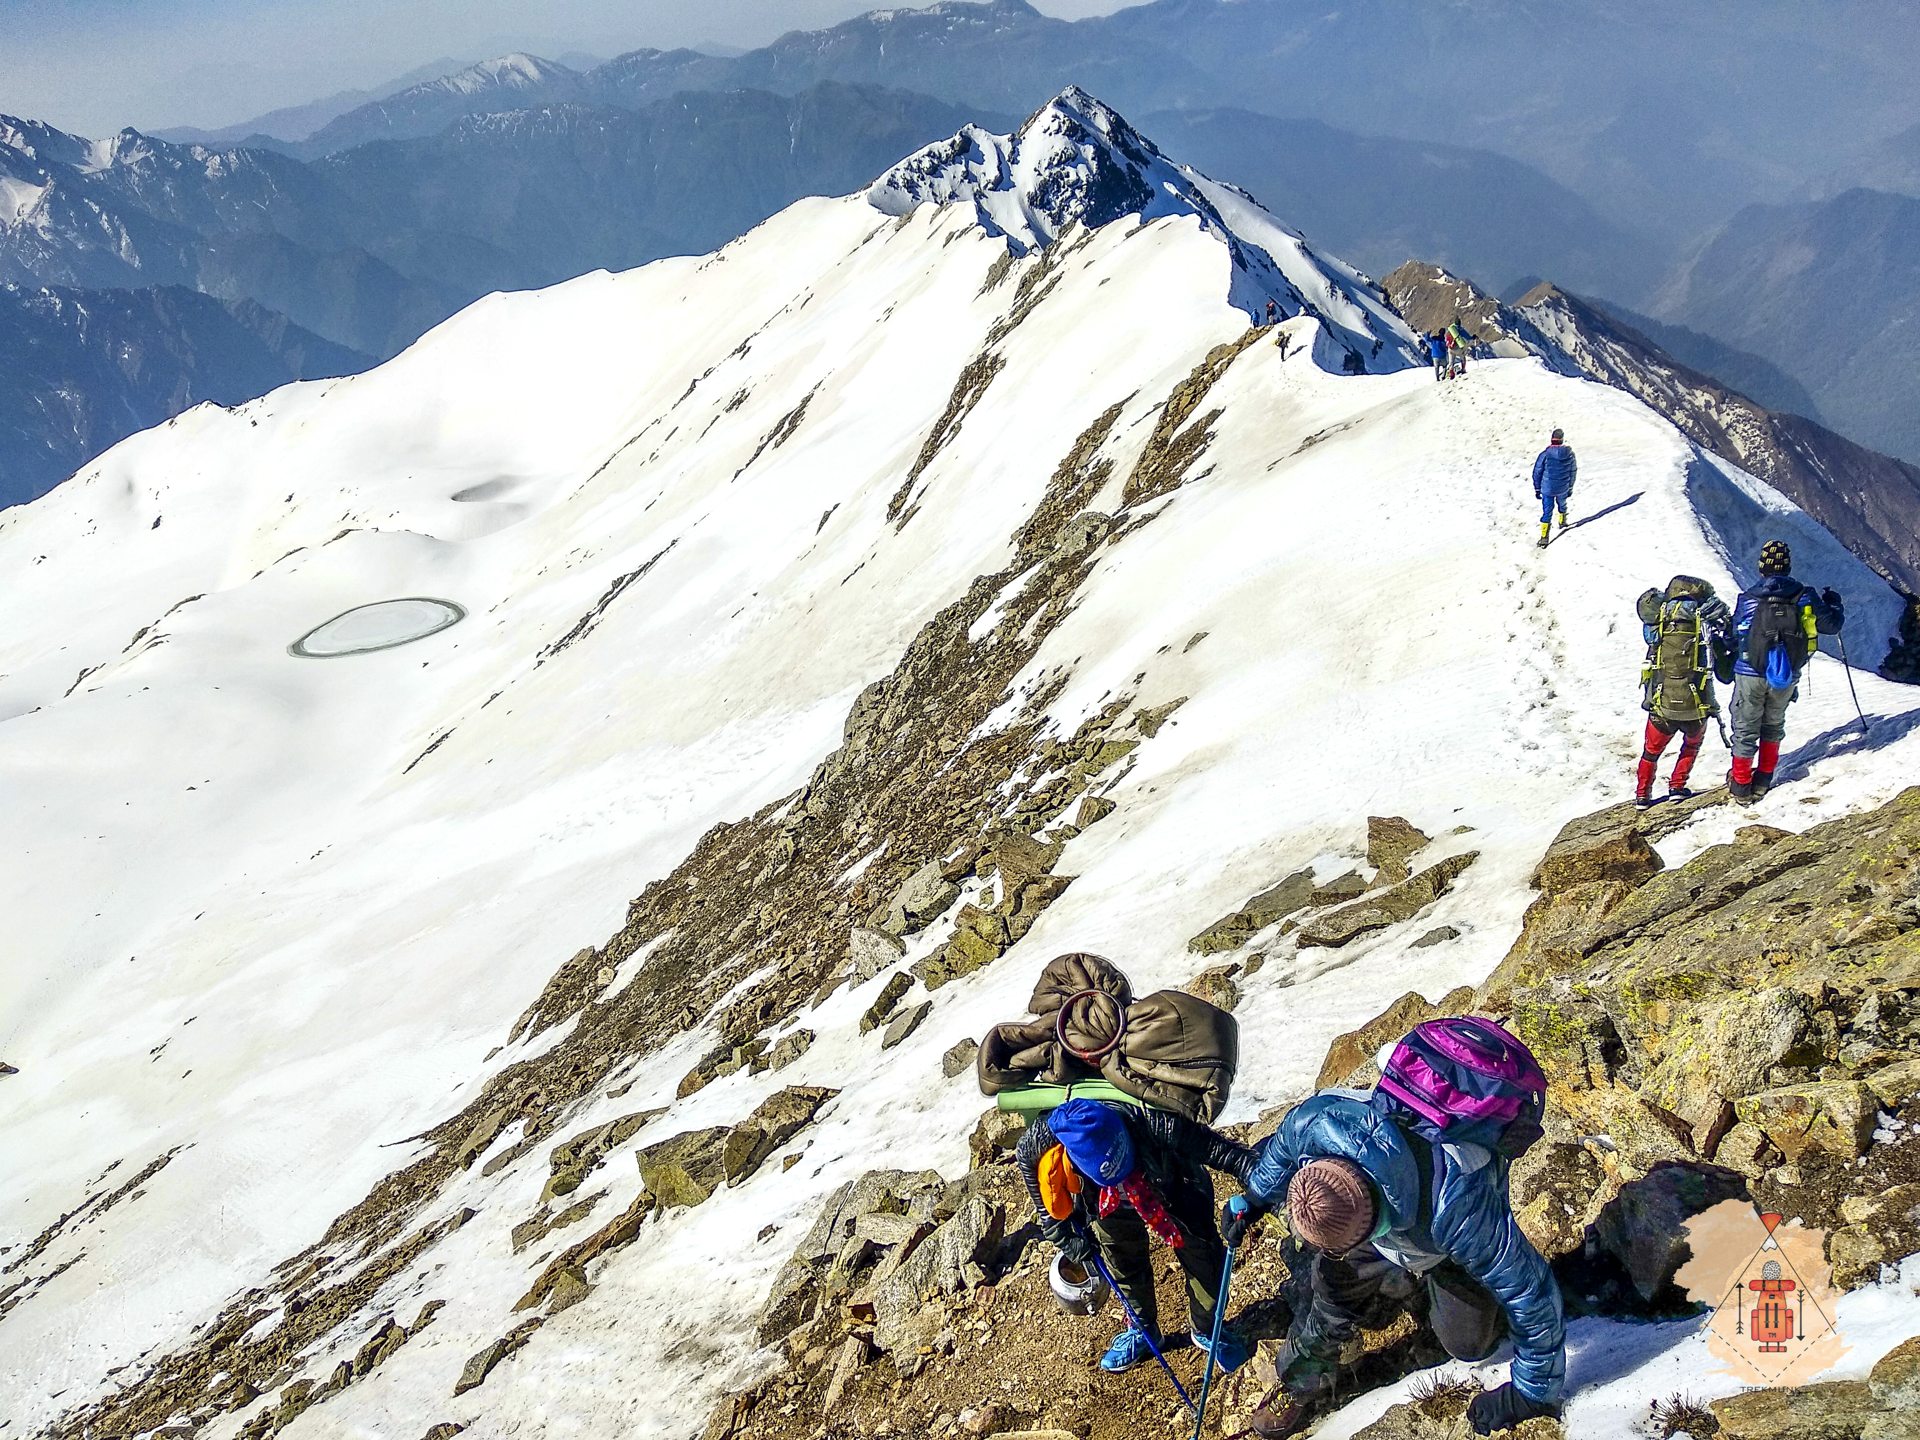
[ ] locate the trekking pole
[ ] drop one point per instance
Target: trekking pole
(1106, 1275)
(1213, 1343)
(1841, 641)
(1721, 721)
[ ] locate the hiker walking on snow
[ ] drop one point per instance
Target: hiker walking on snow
(1437, 350)
(1399, 1199)
(1686, 627)
(1776, 626)
(1461, 343)
(1554, 471)
(1130, 1171)
(1273, 313)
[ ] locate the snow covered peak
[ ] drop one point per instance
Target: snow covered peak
(1076, 160)
(41, 142)
(518, 71)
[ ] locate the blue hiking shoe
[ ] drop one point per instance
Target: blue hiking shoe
(1130, 1347)
(1231, 1355)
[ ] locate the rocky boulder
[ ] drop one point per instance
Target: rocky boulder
(1836, 1117)
(1643, 1226)
(1276, 902)
(686, 1169)
(1386, 907)
(1881, 1230)
(1391, 842)
(924, 897)
(1350, 1058)
(1837, 1410)
(1607, 845)
(776, 1120)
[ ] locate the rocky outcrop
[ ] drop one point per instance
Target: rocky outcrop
(1726, 1022)
(1276, 902)
(1387, 907)
(686, 1169)
(1350, 1058)
(1391, 842)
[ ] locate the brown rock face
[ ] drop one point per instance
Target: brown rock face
(1838, 1410)
(1385, 907)
(1350, 1058)
(1276, 902)
(1391, 842)
(1605, 846)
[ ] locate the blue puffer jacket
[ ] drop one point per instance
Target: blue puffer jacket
(1555, 470)
(1469, 1220)
(1436, 347)
(1816, 617)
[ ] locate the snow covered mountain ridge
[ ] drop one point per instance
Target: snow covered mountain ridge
(377, 1019)
(1076, 161)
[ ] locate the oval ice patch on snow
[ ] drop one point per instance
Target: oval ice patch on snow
(379, 626)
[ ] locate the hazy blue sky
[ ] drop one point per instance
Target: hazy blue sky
(94, 65)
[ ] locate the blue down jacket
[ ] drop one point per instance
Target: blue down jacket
(1554, 471)
(1468, 1219)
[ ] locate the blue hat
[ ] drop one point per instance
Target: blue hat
(1096, 1139)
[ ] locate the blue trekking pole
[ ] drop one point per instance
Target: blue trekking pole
(1101, 1265)
(1213, 1343)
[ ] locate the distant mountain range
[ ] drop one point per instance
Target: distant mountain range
(1649, 115)
(82, 369)
(296, 122)
(1829, 291)
(365, 218)
(370, 248)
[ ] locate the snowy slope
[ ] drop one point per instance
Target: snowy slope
(270, 917)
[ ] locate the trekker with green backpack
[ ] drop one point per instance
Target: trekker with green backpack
(1776, 624)
(1686, 627)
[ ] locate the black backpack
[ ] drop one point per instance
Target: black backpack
(1776, 641)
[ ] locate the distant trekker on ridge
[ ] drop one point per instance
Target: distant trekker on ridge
(1688, 643)
(1437, 349)
(1554, 471)
(1273, 312)
(1777, 624)
(1461, 343)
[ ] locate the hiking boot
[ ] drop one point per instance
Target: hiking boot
(1130, 1347)
(1762, 782)
(1740, 790)
(1563, 519)
(1302, 1397)
(1231, 1355)
(1546, 534)
(1679, 792)
(1644, 801)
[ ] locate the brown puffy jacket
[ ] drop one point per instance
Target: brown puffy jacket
(1169, 1049)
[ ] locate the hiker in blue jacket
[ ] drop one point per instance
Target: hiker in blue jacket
(1776, 626)
(1390, 1217)
(1437, 350)
(1554, 471)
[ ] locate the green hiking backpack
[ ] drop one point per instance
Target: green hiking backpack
(1676, 681)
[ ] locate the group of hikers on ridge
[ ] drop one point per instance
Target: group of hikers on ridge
(1761, 648)
(1448, 349)
(1395, 1198)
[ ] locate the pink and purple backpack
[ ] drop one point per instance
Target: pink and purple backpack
(1467, 1080)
